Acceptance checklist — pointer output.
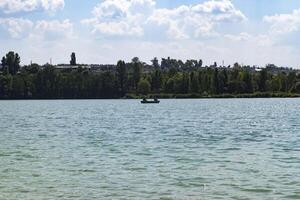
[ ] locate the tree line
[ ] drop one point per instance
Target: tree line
(168, 78)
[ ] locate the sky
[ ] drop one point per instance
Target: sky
(252, 32)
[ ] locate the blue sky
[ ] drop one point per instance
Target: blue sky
(255, 32)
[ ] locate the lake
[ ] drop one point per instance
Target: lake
(178, 149)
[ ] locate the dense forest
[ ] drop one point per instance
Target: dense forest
(169, 78)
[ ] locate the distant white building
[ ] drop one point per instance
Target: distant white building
(72, 66)
(258, 69)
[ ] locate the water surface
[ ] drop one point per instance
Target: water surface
(121, 149)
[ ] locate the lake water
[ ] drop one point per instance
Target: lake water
(121, 149)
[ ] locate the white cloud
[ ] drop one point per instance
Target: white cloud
(52, 30)
(120, 17)
(284, 29)
(19, 28)
(14, 6)
(198, 20)
(133, 17)
(179, 32)
(241, 37)
(16, 27)
(284, 23)
(261, 40)
(219, 10)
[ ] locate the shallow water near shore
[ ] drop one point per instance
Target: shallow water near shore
(178, 149)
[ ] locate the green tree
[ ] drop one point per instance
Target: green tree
(216, 82)
(73, 59)
(109, 85)
(2, 86)
(283, 83)
(11, 63)
(18, 87)
(144, 87)
(297, 88)
(155, 63)
(291, 79)
(247, 79)
(6, 86)
(170, 86)
(137, 71)
(194, 82)
(200, 63)
(156, 82)
(224, 80)
(122, 77)
(263, 76)
(32, 68)
(215, 64)
(185, 83)
(4, 65)
(236, 66)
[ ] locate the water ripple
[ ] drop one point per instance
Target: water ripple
(179, 149)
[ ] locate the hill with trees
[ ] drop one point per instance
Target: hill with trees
(169, 78)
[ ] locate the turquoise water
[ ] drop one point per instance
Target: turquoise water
(121, 149)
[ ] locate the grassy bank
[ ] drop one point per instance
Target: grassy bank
(179, 96)
(220, 96)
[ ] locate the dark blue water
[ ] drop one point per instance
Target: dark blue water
(179, 149)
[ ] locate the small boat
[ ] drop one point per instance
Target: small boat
(144, 101)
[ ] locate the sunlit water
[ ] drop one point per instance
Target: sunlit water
(121, 149)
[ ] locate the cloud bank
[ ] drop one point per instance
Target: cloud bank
(107, 30)
(15, 6)
(134, 17)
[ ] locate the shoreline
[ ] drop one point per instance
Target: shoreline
(178, 96)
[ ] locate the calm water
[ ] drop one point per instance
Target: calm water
(179, 149)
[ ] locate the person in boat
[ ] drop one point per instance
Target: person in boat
(146, 101)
